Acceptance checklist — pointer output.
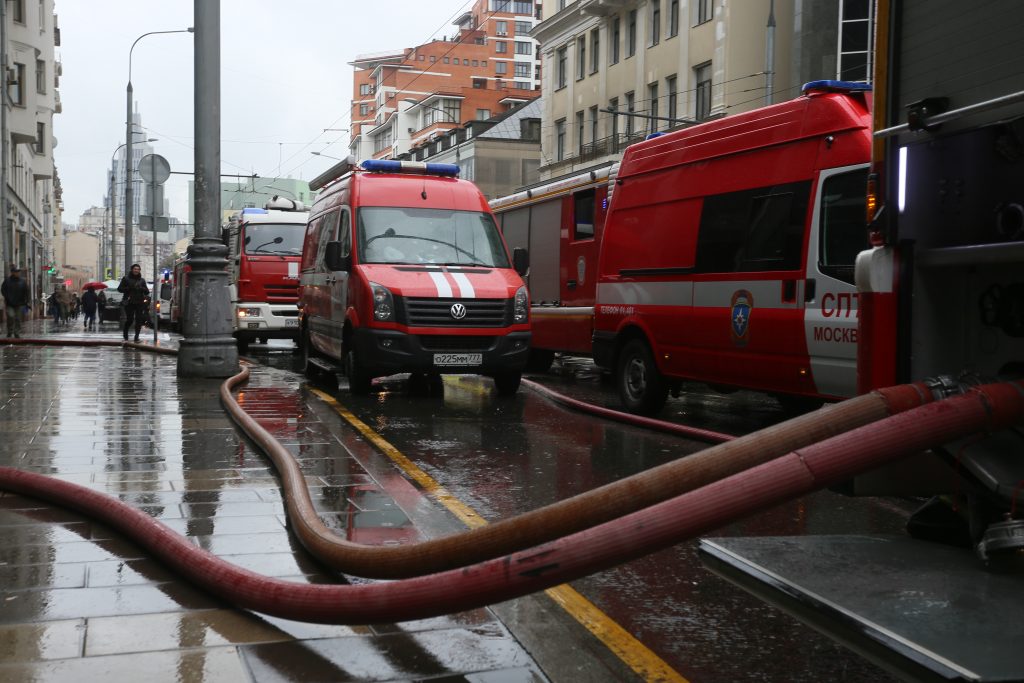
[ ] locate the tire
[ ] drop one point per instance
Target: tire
(310, 370)
(642, 388)
(507, 383)
(358, 379)
(539, 360)
(243, 344)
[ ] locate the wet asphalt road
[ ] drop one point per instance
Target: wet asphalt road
(504, 457)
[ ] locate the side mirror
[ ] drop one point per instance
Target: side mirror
(333, 258)
(521, 260)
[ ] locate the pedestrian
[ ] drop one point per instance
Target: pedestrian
(54, 307)
(76, 305)
(89, 303)
(135, 291)
(101, 304)
(64, 303)
(16, 298)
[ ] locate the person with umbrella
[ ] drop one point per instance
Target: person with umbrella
(135, 291)
(89, 302)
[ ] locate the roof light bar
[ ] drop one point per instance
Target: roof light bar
(333, 173)
(249, 210)
(417, 167)
(836, 86)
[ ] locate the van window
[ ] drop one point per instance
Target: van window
(753, 230)
(407, 235)
(326, 231)
(583, 215)
(275, 239)
(843, 207)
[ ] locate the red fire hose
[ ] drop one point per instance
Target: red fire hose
(987, 408)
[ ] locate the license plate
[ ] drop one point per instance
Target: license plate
(447, 359)
(291, 322)
(254, 326)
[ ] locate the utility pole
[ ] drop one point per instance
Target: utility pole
(208, 349)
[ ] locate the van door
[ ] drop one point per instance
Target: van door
(338, 279)
(830, 321)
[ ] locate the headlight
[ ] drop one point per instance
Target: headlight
(383, 303)
(248, 313)
(521, 308)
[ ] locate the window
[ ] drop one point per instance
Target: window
(501, 47)
(595, 50)
(523, 28)
(483, 63)
(583, 215)
(483, 114)
(559, 139)
(501, 5)
(365, 89)
(581, 58)
(652, 95)
(39, 147)
(593, 123)
(501, 28)
(500, 68)
(523, 47)
(480, 83)
(671, 86)
(561, 59)
(754, 230)
(655, 22)
(476, 62)
(522, 69)
(630, 107)
(452, 109)
(613, 104)
(521, 7)
(522, 85)
(420, 58)
(702, 107)
(855, 40)
(579, 133)
(673, 18)
(445, 60)
(18, 11)
(16, 90)
(843, 205)
(704, 11)
(364, 109)
(40, 76)
(613, 53)
(631, 34)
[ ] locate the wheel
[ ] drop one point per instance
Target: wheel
(358, 379)
(264, 340)
(642, 388)
(242, 343)
(310, 370)
(507, 383)
(539, 360)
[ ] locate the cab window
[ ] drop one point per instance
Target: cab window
(843, 236)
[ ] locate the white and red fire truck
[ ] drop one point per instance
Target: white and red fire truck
(264, 250)
(721, 253)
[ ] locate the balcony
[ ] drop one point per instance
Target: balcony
(613, 144)
(602, 8)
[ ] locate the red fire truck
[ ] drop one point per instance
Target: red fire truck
(264, 249)
(724, 253)
(404, 270)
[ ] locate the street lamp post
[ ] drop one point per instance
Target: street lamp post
(128, 190)
(112, 260)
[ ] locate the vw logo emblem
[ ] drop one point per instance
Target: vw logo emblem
(458, 311)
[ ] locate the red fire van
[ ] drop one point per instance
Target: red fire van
(404, 270)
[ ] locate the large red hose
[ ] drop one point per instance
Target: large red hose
(987, 408)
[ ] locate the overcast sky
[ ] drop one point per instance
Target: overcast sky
(284, 79)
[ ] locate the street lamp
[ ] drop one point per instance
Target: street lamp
(128, 190)
(326, 156)
(112, 260)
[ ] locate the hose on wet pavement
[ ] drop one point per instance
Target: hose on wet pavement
(797, 473)
(564, 517)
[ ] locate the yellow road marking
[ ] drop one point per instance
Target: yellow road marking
(631, 651)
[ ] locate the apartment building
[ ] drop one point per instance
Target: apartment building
(618, 70)
(408, 97)
(30, 196)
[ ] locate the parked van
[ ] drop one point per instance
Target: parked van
(404, 270)
(728, 252)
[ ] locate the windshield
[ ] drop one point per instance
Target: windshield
(443, 236)
(282, 239)
(843, 235)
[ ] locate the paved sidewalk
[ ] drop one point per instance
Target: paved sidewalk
(79, 602)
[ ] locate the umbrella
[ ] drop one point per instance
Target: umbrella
(94, 285)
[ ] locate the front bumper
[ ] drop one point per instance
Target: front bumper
(386, 352)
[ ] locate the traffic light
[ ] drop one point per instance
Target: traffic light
(51, 269)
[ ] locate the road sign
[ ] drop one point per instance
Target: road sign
(154, 168)
(146, 223)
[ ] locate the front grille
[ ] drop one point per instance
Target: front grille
(444, 342)
(282, 293)
(438, 312)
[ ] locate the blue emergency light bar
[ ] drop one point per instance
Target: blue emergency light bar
(418, 167)
(249, 210)
(836, 86)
